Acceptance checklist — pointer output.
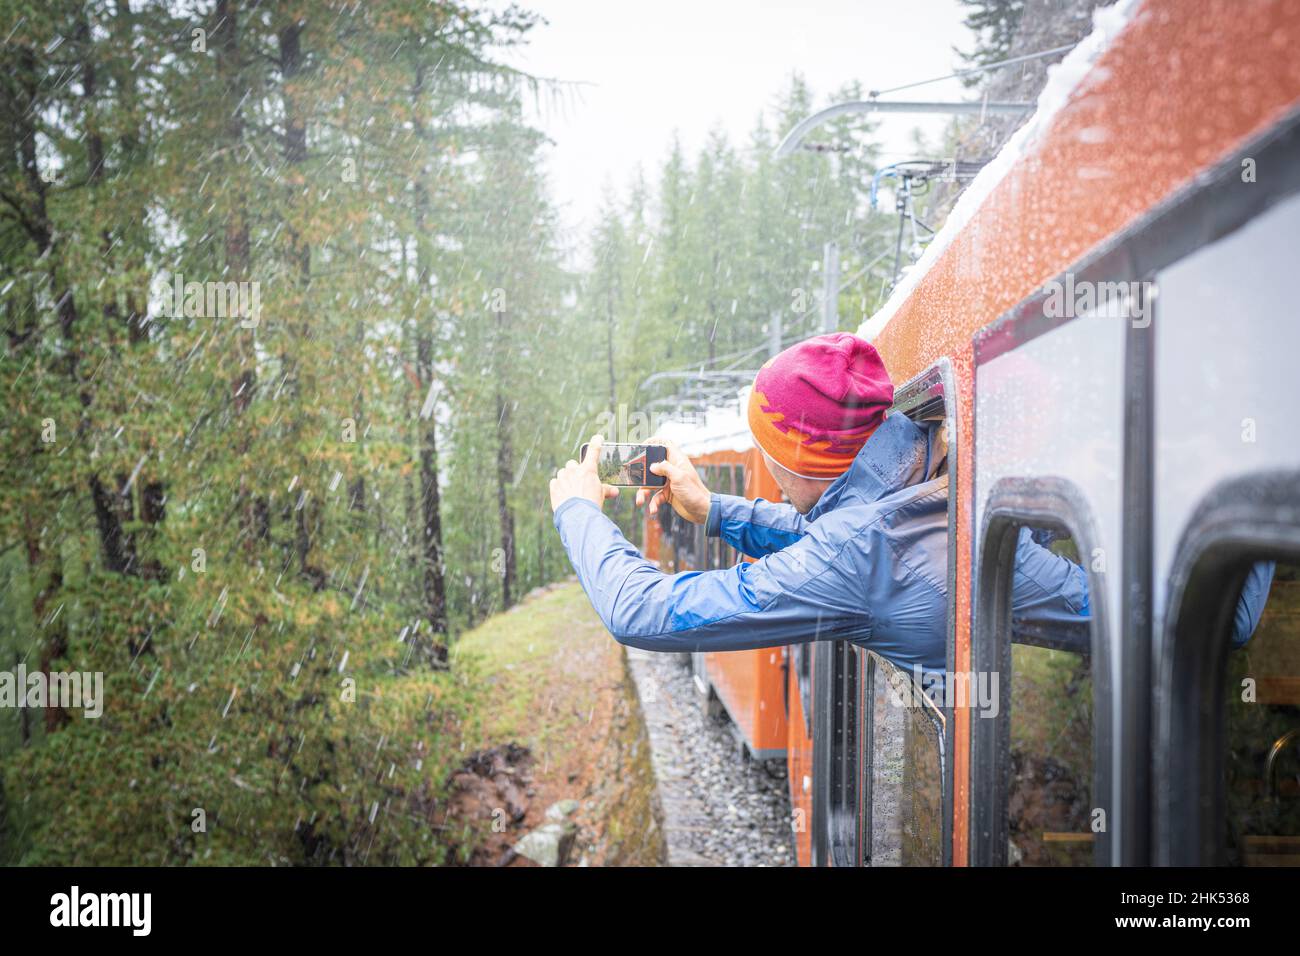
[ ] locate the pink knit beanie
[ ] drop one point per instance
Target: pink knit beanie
(814, 405)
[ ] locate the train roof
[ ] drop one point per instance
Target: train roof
(1168, 97)
(1063, 79)
(723, 428)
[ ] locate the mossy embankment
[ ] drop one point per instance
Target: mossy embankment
(551, 679)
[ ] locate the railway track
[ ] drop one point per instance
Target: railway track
(720, 809)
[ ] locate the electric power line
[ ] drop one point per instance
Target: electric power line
(979, 69)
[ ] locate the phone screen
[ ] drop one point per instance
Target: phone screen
(627, 465)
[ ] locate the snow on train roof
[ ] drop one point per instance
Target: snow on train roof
(1062, 79)
(724, 428)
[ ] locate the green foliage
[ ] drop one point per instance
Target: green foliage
(230, 518)
(994, 24)
(694, 273)
(218, 517)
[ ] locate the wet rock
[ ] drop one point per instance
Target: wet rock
(492, 784)
(549, 844)
(562, 810)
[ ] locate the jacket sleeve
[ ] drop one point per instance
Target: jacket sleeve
(754, 528)
(790, 596)
(1250, 603)
(1049, 594)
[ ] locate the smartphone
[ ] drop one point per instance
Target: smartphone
(628, 466)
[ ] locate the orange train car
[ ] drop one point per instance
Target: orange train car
(765, 693)
(1106, 328)
(748, 685)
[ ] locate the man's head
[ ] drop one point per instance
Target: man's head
(812, 409)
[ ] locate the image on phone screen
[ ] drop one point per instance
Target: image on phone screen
(627, 465)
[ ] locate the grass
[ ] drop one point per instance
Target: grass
(546, 663)
(557, 682)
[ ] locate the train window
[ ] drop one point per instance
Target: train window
(1227, 697)
(1035, 757)
(849, 758)
(1260, 761)
(904, 770)
(887, 800)
(1049, 805)
(668, 554)
(705, 548)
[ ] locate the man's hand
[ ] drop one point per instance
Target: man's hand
(684, 490)
(576, 480)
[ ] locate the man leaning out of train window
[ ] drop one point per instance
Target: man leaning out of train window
(860, 552)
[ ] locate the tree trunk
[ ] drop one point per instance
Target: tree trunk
(46, 567)
(243, 382)
(433, 579)
(434, 584)
(46, 582)
(505, 477)
(609, 351)
(113, 511)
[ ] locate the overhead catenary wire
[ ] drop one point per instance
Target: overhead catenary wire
(738, 357)
(978, 69)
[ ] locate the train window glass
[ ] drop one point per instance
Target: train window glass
(903, 747)
(903, 775)
(1049, 805)
(1261, 759)
(667, 545)
(665, 516)
(685, 541)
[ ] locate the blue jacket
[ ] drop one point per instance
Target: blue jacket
(867, 564)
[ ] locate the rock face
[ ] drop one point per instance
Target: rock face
(493, 784)
(554, 681)
(551, 843)
(557, 812)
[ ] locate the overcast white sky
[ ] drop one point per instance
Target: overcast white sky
(690, 64)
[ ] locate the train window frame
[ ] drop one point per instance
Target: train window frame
(872, 667)
(836, 801)
(1239, 521)
(1013, 503)
(839, 730)
(935, 388)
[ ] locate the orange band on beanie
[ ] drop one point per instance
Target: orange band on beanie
(814, 406)
(795, 450)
